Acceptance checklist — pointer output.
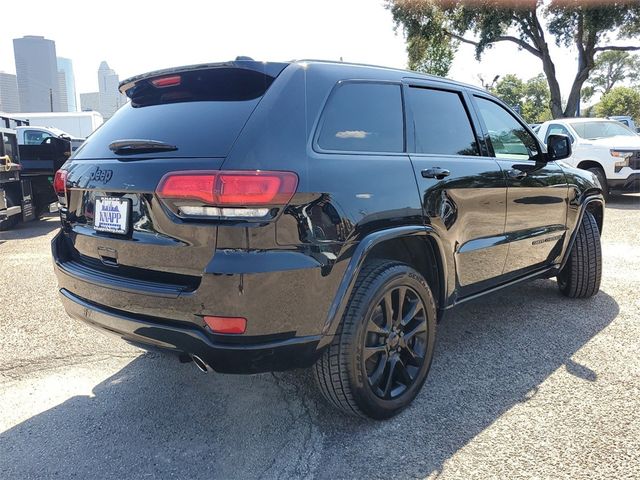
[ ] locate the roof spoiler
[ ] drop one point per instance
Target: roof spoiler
(271, 69)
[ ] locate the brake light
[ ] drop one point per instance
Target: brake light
(163, 82)
(250, 189)
(60, 183)
(227, 193)
(192, 187)
(226, 324)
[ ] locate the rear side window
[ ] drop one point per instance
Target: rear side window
(441, 123)
(35, 137)
(555, 129)
(363, 117)
(201, 113)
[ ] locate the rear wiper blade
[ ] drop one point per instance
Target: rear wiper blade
(131, 146)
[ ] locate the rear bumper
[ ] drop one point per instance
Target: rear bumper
(285, 311)
(258, 356)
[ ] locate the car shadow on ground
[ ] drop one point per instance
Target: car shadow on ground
(624, 202)
(156, 418)
(34, 228)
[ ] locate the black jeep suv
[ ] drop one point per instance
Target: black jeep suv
(266, 216)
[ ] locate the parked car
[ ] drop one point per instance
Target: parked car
(269, 216)
(607, 148)
(626, 120)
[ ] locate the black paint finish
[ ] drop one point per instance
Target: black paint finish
(291, 275)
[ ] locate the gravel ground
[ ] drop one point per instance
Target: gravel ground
(525, 384)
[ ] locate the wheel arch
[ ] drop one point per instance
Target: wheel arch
(594, 204)
(417, 246)
(596, 208)
(586, 164)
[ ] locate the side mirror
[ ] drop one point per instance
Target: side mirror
(558, 147)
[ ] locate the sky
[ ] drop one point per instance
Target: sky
(138, 36)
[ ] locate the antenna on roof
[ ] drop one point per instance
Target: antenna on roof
(242, 58)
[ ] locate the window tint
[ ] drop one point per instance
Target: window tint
(508, 136)
(365, 117)
(202, 115)
(441, 123)
(556, 129)
(35, 137)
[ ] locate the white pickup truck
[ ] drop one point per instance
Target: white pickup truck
(605, 147)
(36, 135)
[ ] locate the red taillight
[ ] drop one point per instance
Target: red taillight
(204, 192)
(192, 187)
(226, 324)
(255, 188)
(170, 81)
(60, 183)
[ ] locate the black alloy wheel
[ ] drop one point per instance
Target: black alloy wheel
(381, 353)
(396, 342)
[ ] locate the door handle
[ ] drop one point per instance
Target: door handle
(435, 172)
(516, 174)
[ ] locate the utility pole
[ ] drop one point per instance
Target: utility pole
(51, 98)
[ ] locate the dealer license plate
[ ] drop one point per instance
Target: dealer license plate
(111, 215)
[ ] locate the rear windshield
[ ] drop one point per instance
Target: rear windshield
(201, 113)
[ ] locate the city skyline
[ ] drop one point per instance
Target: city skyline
(45, 82)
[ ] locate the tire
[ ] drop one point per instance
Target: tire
(371, 369)
(580, 277)
(602, 178)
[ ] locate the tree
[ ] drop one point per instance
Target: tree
(587, 25)
(613, 67)
(535, 108)
(510, 89)
(620, 101)
(532, 96)
(434, 58)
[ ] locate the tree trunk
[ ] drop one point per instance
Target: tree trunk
(586, 63)
(576, 90)
(549, 68)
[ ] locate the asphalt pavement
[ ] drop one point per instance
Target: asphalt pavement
(524, 384)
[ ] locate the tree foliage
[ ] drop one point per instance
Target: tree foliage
(613, 67)
(589, 26)
(434, 58)
(510, 89)
(620, 101)
(537, 96)
(531, 96)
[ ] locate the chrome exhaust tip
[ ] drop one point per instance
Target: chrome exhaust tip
(202, 366)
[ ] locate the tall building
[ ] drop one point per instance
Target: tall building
(90, 102)
(108, 99)
(67, 83)
(37, 72)
(62, 90)
(9, 99)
